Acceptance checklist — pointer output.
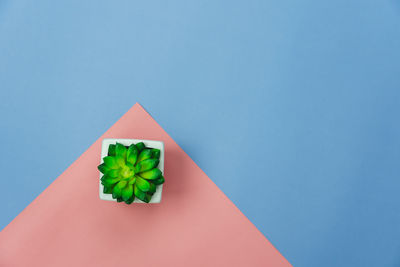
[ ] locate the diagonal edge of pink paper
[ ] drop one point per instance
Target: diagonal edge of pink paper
(194, 225)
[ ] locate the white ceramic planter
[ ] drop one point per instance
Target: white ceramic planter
(127, 142)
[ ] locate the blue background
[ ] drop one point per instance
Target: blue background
(301, 98)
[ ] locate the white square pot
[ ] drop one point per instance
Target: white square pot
(156, 198)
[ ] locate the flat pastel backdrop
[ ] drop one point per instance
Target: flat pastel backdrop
(291, 107)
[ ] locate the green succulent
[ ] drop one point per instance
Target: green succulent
(131, 172)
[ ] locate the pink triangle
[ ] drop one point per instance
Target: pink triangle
(194, 225)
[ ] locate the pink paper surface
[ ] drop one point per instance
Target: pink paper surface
(194, 225)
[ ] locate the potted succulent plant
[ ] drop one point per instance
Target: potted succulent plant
(131, 170)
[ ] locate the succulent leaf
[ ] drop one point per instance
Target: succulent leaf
(140, 146)
(107, 190)
(111, 150)
(155, 153)
(103, 168)
(159, 180)
(122, 184)
(120, 161)
(132, 154)
(142, 184)
(130, 200)
(127, 192)
(110, 162)
(145, 154)
(110, 181)
(152, 188)
(147, 198)
(151, 175)
(117, 192)
(146, 165)
(132, 180)
(120, 150)
(129, 165)
(113, 173)
(139, 193)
